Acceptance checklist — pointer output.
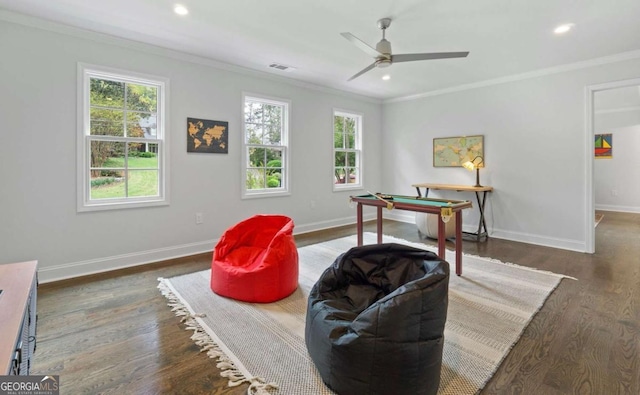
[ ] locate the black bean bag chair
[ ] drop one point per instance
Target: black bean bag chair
(375, 321)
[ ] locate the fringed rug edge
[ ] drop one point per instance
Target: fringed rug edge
(206, 339)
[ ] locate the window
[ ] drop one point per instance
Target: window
(122, 143)
(347, 150)
(265, 158)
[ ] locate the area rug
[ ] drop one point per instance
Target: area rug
(490, 305)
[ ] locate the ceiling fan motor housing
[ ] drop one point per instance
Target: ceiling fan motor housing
(384, 47)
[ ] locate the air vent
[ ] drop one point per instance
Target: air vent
(282, 67)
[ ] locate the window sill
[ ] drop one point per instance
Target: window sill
(262, 194)
(89, 207)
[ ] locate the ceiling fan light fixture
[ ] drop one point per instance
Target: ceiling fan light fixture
(382, 63)
(562, 29)
(180, 9)
(386, 77)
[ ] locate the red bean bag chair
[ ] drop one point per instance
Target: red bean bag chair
(256, 260)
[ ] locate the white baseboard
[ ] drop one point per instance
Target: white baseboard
(621, 209)
(105, 264)
(565, 244)
(334, 223)
(100, 265)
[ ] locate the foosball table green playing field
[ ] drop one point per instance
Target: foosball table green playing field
(443, 208)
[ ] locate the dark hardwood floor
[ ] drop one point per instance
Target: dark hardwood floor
(113, 333)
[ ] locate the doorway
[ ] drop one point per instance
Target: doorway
(615, 101)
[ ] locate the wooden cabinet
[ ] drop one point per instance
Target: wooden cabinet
(18, 319)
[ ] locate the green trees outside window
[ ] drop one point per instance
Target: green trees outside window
(123, 142)
(265, 144)
(346, 148)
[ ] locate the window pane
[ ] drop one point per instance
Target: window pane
(255, 179)
(339, 158)
(272, 137)
(272, 114)
(353, 175)
(274, 168)
(106, 122)
(340, 174)
(107, 154)
(349, 125)
(107, 187)
(143, 155)
(142, 98)
(351, 159)
(143, 183)
(107, 161)
(256, 157)
(253, 133)
(106, 93)
(253, 112)
(350, 140)
(142, 125)
(338, 139)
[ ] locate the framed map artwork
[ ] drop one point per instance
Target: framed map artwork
(604, 146)
(208, 136)
(454, 151)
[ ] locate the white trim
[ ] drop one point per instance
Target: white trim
(85, 72)
(619, 209)
(285, 143)
(621, 57)
(589, 191)
(590, 91)
(42, 24)
(565, 244)
(618, 110)
(360, 144)
(100, 265)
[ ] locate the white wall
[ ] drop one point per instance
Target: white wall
(38, 149)
(535, 147)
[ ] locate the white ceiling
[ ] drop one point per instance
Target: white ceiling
(505, 37)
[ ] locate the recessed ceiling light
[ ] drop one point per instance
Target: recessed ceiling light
(563, 28)
(386, 77)
(180, 9)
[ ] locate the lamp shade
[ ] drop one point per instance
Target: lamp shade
(475, 164)
(469, 165)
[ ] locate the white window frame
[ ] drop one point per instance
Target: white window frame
(285, 143)
(359, 117)
(83, 146)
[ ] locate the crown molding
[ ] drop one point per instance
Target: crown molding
(47, 25)
(56, 27)
(621, 57)
(618, 110)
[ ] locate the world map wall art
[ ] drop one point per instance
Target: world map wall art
(454, 151)
(604, 146)
(204, 135)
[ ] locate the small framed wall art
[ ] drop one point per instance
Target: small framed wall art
(204, 135)
(603, 146)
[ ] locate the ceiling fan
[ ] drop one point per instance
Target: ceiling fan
(382, 52)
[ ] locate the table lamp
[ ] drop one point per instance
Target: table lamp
(475, 165)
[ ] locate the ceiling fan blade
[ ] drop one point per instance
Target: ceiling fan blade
(361, 44)
(372, 65)
(409, 57)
